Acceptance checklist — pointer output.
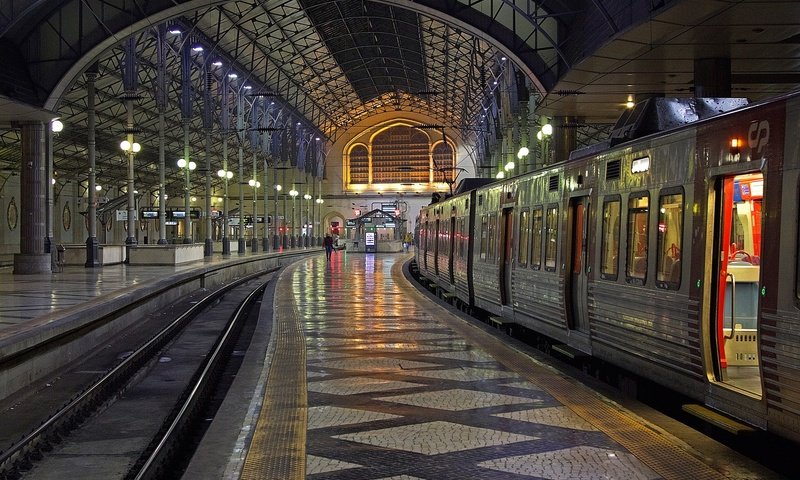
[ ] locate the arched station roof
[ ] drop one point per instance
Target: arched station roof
(328, 64)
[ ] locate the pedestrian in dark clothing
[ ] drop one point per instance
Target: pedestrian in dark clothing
(328, 243)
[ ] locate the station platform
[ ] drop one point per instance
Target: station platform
(367, 377)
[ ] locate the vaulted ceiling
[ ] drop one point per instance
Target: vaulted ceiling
(329, 64)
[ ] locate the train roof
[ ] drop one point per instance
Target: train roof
(660, 114)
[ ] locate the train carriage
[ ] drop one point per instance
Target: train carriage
(674, 256)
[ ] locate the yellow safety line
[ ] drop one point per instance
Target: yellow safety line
(278, 448)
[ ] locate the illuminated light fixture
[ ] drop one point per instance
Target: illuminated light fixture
(217, 63)
(98, 187)
(293, 193)
(547, 129)
(278, 188)
(194, 199)
(629, 103)
(522, 152)
(52, 181)
(182, 164)
(224, 174)
(56, 126)
(247, 87)
(197, 48)
(319, 200)
(254, 183)
(219, 199)
(503, 58)
(500, 174)
(128, 147)
(307, 196)
(509, 166)
(539, 135)
(640, 165)
(317, 139)
(735, 146)
(233, 76)
(174, 31)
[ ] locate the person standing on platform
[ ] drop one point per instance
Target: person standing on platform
(328, 243)
(408, 239)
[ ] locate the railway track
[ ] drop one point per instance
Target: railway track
(136, 420)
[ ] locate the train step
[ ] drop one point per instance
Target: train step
(567, 351)
(500, 322)
(728, 424)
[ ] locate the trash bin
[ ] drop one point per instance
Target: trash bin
(58, 258)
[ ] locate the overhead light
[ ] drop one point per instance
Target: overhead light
(522, 152)
(217, 63)
(174, 31)
(56, 126)
(547, 129)
(233, 76)
(197, 48)
(500, 174)
(629, 103)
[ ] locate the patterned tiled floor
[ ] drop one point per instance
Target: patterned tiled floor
(395, 393)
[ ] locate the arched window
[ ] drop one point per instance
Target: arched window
(401, 154)
(359, 164)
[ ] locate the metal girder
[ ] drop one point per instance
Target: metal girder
(331, 62)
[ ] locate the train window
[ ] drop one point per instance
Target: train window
(484, 235)
(536, 238)
(609, 256)
(523, 235)
(638, 235)
(551, 240)
(670, 233)
(492, 241)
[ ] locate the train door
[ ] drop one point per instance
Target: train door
(737, 272)
(436, 237)
(451, 250)
(577, 309)
(506, 242)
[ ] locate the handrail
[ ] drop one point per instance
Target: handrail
(733, 303)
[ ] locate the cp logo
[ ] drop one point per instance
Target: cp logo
(759, 135)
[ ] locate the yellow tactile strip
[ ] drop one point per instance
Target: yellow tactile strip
(278, 447)
(661, 454)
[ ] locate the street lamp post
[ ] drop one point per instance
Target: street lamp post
(276, 242)
(131, 148)
(255, 184)
(225, 175)
(187, 219)
(319, 201)
(293, 193)
(307, 239)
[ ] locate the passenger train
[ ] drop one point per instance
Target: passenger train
(673, 255)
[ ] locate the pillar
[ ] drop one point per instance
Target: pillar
(712, 77)
(33, 184)
(92, 245)
(564, 137)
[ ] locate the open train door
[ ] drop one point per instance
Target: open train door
(737, 274)
(506, 254)
(577, 282)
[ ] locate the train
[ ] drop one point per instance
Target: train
(670, 250)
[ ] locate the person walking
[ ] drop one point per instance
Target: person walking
(408, 239)
(328, 244)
